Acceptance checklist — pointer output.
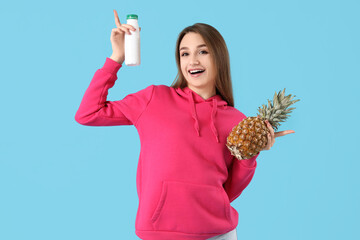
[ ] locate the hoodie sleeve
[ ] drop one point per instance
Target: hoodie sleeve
(240, 174)
(95, 110)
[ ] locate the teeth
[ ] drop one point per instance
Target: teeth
(195, 71)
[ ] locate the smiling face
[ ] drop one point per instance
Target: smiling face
(197, 64)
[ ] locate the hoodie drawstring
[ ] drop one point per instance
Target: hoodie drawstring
(213, 113)
(194, 115)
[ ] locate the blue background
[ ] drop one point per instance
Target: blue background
(61, 180)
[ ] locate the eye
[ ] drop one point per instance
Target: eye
(184, 54)
(203, 52)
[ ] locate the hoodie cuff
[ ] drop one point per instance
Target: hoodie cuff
(111, 66)
(251, 162)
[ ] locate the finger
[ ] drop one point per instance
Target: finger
(116, 30)
(124, 29)
(128, 26)
(271, 129)
(117, 20)
(269, 144)
(283, 133)
(272, 133)
(272, 140)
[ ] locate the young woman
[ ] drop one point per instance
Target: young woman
(186, 176)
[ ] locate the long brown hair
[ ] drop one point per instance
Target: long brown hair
(220, 54)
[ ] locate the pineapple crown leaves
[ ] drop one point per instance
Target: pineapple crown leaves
(278, 110)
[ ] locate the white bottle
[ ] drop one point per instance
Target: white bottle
(132, 42)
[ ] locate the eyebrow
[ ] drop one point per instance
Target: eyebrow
(201, 45)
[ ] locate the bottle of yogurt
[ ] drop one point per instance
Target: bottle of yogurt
(132, 42)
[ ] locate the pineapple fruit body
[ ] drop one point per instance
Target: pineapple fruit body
(248, 138)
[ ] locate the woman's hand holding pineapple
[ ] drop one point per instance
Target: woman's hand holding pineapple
(272, 135)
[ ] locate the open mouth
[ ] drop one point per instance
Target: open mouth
(196, 72)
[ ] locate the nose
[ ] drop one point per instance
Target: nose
(194, 60)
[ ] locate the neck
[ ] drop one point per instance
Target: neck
(204, 93)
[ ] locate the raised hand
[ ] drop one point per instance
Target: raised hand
(117, 39)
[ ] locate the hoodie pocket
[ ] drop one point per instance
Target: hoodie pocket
(191, 208)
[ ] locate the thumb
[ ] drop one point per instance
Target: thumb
(283, 133)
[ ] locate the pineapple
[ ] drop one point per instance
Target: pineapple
(249, 137)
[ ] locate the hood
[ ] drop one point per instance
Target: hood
(194, 98)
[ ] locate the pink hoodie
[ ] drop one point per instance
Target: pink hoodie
(186, 176)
